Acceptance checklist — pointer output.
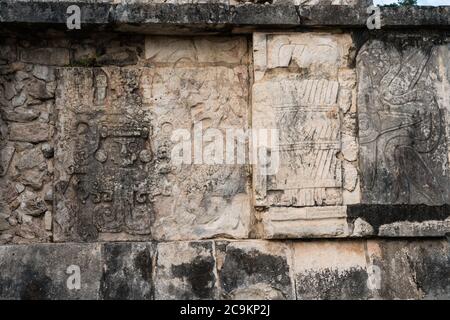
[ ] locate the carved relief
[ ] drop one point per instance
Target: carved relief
(207, 199)
(309, 140)
(402, 135)
(304, 88)
(306, 110)
(105, 160)
(115, 176)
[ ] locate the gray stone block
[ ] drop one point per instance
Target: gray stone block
(127, 271)
(254, 270)
(35, 272)
(186, 270)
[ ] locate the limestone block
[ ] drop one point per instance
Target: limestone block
(48, 271)
(402, 116)
(45, 56)
(376, 269)
(411, 269)
(6, 154)
(29, 132)
(331, 270)
(186, 270)
(199, 86)
(400, 220)
(304, 92)
(116, 175)
(77, 271)
(306, 222)
(321, 52)
(127, 271)
(201, 198)
(207, 49)
(104, 173)
(254, 270)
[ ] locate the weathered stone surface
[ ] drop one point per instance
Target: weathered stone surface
(43, 271)
(411, 269)
(116, 178)
(136, 151)
(216, 15)
(402, 122)
(203, 198)
(6, 155)
(229, 50)
(46, 56)
(103, 157)
(127, 271)
(304, 89)
(400, 220)
(186, 270)
(330, 270)
(29, 132)
(307, 222)
(254, 270)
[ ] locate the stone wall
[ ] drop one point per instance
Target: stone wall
(357, 208)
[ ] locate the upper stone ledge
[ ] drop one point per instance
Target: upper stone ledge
(140, 15)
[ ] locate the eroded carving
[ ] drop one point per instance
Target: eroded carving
(403, 147)
(107, 169)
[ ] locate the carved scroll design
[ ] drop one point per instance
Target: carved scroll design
(402, 132)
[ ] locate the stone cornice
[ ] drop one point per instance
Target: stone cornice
(142, 17)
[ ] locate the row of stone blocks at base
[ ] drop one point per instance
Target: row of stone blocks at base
(222, 269)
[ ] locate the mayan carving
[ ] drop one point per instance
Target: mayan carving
(224, 150)
(402, 124)
(196, 100)
(308, 142)
(304, 91)
(118, 129)
(104, 159)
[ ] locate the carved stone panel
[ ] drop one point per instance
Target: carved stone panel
(402, 111)
(118, 130)
(104, 159)
(198, 91)
(304, 89)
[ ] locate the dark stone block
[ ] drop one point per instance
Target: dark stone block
(35, 272)
(414, 269)
(254, 270)
(332, 284)
(216, 16)
(127, 271)
(186, 270)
